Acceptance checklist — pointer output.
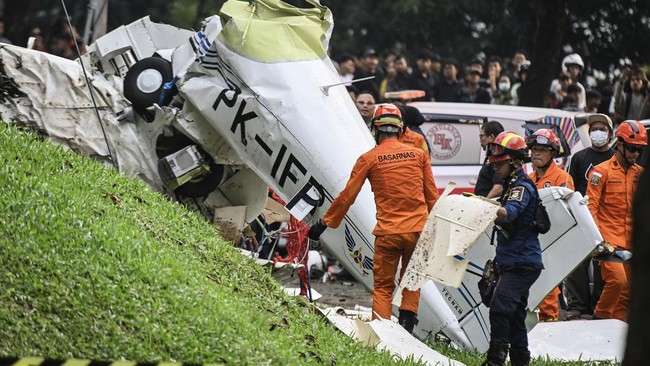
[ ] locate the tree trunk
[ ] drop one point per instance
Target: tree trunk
(200, 9)
(16, 16)
(551, 21)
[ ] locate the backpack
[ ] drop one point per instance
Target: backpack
(542, 223)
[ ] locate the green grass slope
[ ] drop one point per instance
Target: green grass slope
(95, 265)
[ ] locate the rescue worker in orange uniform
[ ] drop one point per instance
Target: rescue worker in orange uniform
(544, 146)
(611, 188)
(400, 177)
(414, 139)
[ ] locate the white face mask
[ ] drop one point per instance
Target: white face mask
(504, 86)
(599, 138)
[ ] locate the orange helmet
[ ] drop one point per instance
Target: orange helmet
(507, 145)
(388, 118)
(632, 132)
(544, 137)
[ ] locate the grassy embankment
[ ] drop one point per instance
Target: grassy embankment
(94, 265)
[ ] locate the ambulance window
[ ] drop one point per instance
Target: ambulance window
(453, 140)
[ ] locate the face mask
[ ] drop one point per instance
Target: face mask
(504, 86)
(599, 138)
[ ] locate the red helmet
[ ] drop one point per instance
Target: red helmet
(632, 132)
(388, 118)
(507, 145)
(544, 137)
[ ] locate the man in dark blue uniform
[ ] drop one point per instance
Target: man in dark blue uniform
(518, 260)
(487, 185)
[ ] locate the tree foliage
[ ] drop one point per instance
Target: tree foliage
(21, 15)
(602, 31)
(606, 32)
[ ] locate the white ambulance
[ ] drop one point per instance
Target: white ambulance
(452, 130)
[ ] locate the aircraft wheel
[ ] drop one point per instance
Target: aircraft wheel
(144, 81)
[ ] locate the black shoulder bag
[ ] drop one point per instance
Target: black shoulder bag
(487, 283)
(542, 223)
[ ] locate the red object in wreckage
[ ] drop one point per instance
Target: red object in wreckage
(297, 246)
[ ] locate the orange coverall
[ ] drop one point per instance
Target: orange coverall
(402, 182)
(549, 309)
(414, 139)
(611, 190)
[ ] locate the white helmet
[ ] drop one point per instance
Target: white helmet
(572, 59)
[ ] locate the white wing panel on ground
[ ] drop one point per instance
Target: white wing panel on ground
(579, 340)
(387, 335)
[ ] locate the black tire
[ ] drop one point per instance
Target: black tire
(145, 81)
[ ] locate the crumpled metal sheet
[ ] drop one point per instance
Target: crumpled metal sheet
(386, 335)
(454, 224)
(57, 100)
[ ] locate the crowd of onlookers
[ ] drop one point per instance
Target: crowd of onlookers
(494, 80)
(488, 80)
(60, 41)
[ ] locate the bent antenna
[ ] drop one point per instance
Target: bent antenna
(325, 89)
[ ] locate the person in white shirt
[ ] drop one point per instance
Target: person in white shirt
(572, 65)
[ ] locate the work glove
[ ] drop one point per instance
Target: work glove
(316, 230)
(607, 252)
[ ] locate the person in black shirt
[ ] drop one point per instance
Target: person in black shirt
(401, 80)
(367, 66)
(424, 78)
(600, 133)
(580, 299)
(487, 184)
(473, 92)
(449, 89)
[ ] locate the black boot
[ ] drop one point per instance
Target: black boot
(497, 354)
(407, 320)
(519, 357)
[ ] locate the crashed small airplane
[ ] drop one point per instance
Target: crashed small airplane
(214, 118)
